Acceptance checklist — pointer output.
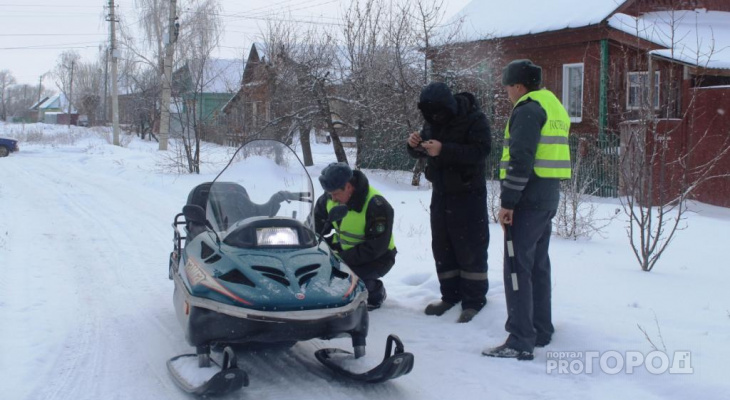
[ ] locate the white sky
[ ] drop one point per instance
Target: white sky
(34, 32)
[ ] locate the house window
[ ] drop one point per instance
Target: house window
(637, 93)
(573, 91)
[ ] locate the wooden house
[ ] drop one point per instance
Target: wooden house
(610, 61)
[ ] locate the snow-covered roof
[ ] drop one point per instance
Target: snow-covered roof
(484, 19)
(219, 75)
(697, 37)
(58, 101)
(38, 103)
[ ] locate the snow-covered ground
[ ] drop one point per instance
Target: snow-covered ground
(86, 306)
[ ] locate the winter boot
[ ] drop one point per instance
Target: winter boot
(376, 304)
(542, 341)
(504, 351)
(466, 315)
(438, 308)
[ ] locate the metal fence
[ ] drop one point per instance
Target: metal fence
(596, 164)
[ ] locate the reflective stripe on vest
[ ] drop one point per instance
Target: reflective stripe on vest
(351, 230)
(552, 159)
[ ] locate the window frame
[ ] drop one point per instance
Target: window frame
(629, 86)
(567, 92)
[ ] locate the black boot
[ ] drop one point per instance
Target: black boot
(438, 308)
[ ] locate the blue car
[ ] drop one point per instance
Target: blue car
(8, 146)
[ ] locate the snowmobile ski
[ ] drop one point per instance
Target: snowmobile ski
(394, 364)
(192, 379)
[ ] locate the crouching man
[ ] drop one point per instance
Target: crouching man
(364, 238)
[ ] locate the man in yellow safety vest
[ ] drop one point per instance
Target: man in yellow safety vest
(535, 157)
(364, 238)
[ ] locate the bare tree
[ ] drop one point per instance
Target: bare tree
(576, 214)
(89, 89)
(64, 74)
(659, 175)
(19, 99)
(6, 80)
(197, 34)
(383, 81)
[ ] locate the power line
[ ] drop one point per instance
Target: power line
(45, 6)
(52, 34)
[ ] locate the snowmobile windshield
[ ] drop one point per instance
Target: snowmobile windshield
(264, 180)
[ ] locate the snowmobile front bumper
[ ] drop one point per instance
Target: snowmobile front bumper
(206, 321)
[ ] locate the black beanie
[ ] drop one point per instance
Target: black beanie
(335, 176)
(522, 71)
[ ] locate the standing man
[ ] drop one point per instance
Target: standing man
(535, 158)
(456, 140)
(364, 238)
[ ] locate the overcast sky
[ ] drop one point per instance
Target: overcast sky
(34, 32)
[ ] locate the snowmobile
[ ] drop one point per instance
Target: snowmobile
(248, 268)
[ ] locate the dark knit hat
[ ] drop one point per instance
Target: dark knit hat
(335, 176)
(522, 71)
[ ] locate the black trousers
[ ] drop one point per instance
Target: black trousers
(529, 311)
(459, 240)
(371, 272)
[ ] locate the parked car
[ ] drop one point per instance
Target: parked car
(8, 146)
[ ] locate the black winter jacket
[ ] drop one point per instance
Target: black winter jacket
(466, 142)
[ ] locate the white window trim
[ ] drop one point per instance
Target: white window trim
(566, 88)
(657, 88)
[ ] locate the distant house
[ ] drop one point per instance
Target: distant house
(55, 110)
(254, 105)
(600, 57)
(201, 88)
(31, 115)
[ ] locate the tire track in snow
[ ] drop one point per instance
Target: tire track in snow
(114, 286)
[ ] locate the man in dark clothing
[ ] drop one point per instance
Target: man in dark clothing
(535, 158)
(364, 238)
(456, 141)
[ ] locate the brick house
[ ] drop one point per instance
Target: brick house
(597, 56)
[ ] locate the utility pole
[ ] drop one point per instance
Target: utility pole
(70, 93)
(106, 86)
(40, 88)
(115, 97)
(172, 33)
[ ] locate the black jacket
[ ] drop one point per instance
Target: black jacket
(378, 224)
(466, 143)
(525, 127)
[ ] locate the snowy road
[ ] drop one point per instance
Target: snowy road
(90, 301)
(86, 305)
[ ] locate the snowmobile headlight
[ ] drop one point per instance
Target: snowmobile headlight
(277, 237)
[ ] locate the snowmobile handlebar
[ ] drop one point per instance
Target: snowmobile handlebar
(292, 196)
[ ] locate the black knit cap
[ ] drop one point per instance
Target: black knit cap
(522, 71)
(335, 176)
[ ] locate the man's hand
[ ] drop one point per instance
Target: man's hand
(432, 147)
(505, 216)
(414, 139)
(281, 196)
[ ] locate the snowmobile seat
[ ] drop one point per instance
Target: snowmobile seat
(228, 202)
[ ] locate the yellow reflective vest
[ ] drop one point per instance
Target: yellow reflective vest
(351, 230)
(552, 159)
